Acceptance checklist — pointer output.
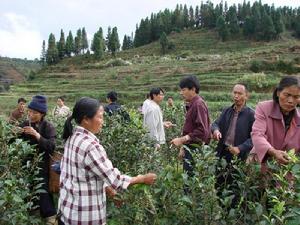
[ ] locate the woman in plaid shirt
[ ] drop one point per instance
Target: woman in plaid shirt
(86, 170)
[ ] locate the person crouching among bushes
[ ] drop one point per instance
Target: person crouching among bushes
(86, 172)
(41, 133)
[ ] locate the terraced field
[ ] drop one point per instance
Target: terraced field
(218, 66)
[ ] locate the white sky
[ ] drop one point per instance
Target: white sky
(24, 24)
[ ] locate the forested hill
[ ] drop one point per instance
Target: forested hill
(253, 22)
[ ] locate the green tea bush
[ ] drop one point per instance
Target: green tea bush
(18, 184)
(259, 81)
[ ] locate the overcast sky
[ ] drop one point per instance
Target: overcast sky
(24, 24)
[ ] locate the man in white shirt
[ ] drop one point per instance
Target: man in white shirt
(146, 104)
(153, 118)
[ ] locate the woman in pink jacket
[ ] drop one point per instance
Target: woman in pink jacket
(277, 123)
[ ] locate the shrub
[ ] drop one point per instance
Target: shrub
(117, 62)
(259, 81)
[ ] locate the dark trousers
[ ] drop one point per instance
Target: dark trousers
(188, 166)
(46, 202)
(188, 162)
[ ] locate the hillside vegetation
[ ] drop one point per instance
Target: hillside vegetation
(133, 72)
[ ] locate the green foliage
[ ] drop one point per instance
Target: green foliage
(69, 44)
(18, 184)
(163, 40)
(282, 66)
(61, 45)
(222, 28)
(52, 52)
(98, 44)
(259, 81)
(116, 62)
(113, 42)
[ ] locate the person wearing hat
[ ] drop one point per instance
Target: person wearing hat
(41, 133)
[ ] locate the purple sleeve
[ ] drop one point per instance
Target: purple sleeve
(201, 124)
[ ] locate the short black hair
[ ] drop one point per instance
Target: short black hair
(21, 100)
(61, 98)
(190, 81)
(113, 96)
(170, 97)
(285, 82)
(155, 91)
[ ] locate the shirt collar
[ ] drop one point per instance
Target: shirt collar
(277, 114)
(81, 129)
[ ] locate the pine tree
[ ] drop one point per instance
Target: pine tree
(61, 46)
(85, 44)
(52, 52)
(69, 44)
(233, 20)
(297, 27)
(43, 54)
(269, 32)
(108, 38)
(197, 16)
(249, 27)
(278, 23)
(222, 28)
(186, 21)
(78, 42)
(163, 40)
(192, 17)
(98, 44)
(127, 43)
(114, 42)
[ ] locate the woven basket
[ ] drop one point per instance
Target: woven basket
(54, 177)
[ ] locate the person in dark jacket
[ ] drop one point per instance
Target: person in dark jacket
(112, 106)
(233, 127)
(232, 130)
(41, 133)
(115, 108)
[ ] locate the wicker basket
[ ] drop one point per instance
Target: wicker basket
(54, 177)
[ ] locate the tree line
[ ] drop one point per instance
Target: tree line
(258, 21)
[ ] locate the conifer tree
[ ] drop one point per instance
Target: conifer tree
(197, 16)
(278, 23)
(163, 40)
(232, 20)
(61, 46)
(192, 17)
(297, 27)
(108, 38)
(43, 54)
(78, 42)
(69, 44)
(186, 21)
(85, 44)
(98, 44)
(268, 32)
(127, 43)
(114, 42)
(222, 28)
(52, 52)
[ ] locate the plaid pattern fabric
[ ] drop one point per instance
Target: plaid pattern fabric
(85, 171)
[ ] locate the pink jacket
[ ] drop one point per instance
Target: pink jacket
(269, 130)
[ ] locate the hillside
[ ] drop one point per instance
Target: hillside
(217, 64)
(14, 71)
